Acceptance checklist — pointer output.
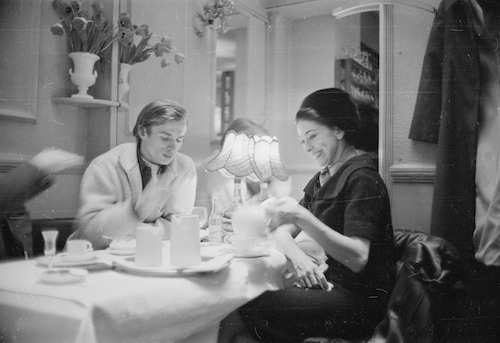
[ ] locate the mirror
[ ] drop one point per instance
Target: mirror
(357, 72)
(240, 70)
(305, 44)
(19, 95)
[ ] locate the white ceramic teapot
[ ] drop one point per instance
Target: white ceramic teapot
(249, 220)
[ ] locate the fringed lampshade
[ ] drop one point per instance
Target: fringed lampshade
(255, 157)
(265, 159)
(234, 160)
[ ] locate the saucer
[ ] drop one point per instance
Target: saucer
(58, 261)
(76, 258)
(121, 252)
(63, 276)
(241, 253)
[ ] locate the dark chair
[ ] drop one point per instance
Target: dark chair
(16, 240)
(429, 284)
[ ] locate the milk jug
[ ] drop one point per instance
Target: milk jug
(185, 241)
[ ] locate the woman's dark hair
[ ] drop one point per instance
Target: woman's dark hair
(333, 108)
(157, 113)
(368, 130)
(247, 126)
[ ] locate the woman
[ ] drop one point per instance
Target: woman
(348, 214)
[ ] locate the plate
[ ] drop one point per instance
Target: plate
(121, 252)
(208, 265)
(76, 258)
(123, 244)
(63, 276)
(240, 253)
(58, 261)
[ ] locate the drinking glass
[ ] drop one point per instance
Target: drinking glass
(49, 238)
(202, 214)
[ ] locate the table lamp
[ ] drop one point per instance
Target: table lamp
(255, 157)
(266, 162)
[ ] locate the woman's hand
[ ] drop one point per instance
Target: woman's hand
(281, 211)
(308, 274)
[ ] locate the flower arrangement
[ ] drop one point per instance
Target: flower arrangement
(135, 46)
(213, 10)
(94, 34)
(85, 32)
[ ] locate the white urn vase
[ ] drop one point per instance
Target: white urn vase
(83, 74)
(123, 85)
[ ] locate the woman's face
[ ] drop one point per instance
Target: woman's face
(321, 142)
(163, 142)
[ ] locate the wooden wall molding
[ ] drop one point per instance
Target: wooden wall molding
(412, 173)
(399, 173)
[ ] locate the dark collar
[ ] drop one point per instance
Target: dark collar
(143, 167)
(339, 178)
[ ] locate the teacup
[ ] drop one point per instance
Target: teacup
(78, 247)
(249, 220)
(241, 242)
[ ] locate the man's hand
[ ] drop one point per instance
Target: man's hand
(51, 160)
(153, 197)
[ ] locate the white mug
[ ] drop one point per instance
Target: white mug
(78, 247)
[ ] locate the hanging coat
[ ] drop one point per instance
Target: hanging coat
(446, 113)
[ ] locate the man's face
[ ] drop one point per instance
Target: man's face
(163, 141)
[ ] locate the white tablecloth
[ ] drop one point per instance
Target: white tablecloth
(114, 306)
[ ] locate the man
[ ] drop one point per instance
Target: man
(143, 182)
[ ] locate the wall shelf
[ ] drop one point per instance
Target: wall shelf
(357, 80)
(86, 103)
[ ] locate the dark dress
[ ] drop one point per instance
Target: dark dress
(353, 202)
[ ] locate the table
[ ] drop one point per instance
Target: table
(114, 306)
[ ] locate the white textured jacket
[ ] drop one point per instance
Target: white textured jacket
(112, 185)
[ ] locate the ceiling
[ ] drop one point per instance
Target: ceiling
(292, 9)
(295, 9)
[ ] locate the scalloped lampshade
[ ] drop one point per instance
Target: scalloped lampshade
(256, 157)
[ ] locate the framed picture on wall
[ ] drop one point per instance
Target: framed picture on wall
(19, 58)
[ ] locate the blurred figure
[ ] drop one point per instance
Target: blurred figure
(143, 182)
(215, 185)
(19, 186)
